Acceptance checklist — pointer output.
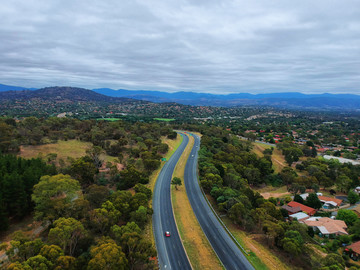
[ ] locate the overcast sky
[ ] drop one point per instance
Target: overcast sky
(200, 45)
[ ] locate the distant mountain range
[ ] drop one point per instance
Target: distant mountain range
(4, 87)
(62, 94)
(283, 100)
(292, 100)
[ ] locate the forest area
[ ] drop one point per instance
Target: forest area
(94, 212)
(94, 207)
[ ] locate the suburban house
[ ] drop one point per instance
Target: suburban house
(354, 250)
(305, 195)
(301, 216)
(329, 203)
(291, 210)
(306, 209)
(326, 226)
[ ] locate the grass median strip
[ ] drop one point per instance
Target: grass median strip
(197, 247)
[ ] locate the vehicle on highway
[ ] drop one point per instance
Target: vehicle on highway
(167, 234)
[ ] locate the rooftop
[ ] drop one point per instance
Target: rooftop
(330, 199)
(304, 208)
(331, 225)
(299, 216)
(355, 247)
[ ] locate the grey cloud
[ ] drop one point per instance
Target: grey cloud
(207, 46)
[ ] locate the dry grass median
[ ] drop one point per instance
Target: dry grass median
(197, 246)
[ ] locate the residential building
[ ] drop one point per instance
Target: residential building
(354, 250)
(329, 203)
(301, 217)
(306, 209)
(326, 226)
(291, 210)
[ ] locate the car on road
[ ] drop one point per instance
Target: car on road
(167, 234)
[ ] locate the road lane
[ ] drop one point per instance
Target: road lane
(171, 253)
(225, 248)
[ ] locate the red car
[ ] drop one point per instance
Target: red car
(167, 234)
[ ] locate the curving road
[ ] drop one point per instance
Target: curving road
(225, 248)
(171, 253)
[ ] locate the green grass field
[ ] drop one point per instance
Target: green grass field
(109, 119)
(164, 119)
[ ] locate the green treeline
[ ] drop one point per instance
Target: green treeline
(17, 178)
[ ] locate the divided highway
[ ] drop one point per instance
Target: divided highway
(225, 248)
(171, 253)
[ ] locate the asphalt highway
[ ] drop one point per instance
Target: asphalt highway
(171, 253)
(225, 248)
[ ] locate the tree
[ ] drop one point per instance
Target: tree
(54, 194)
(273, 231)
(172, 135)
(22, 247)
(334, 260)
(313, 201)
(237, 212)
(97, 195)
(140, 216)
(18, 266)
(176, 181)
(130, 177)
(348, 216)
(83, 170)
(291, 246)
(355, 229)
(343, 182)
(288, 176)
(292, 154)
(65, 263)
(353, 197)
(137, 249)
(51, 252)
(104, 217)
(107, 255)
(140, 188)
(66, 233)
(299, 199)
(39, 262)
(95, 153)
(7, 141)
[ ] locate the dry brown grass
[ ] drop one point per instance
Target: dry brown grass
(276, 192)
(63, 149)
(267, 257)
(197, 247)
(277, 158)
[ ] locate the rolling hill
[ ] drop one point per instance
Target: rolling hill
(292, 100)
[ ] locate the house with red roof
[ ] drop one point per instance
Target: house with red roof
(354, 250)
(308, 210)
(329, 202)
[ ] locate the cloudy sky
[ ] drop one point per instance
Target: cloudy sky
(209, 46)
